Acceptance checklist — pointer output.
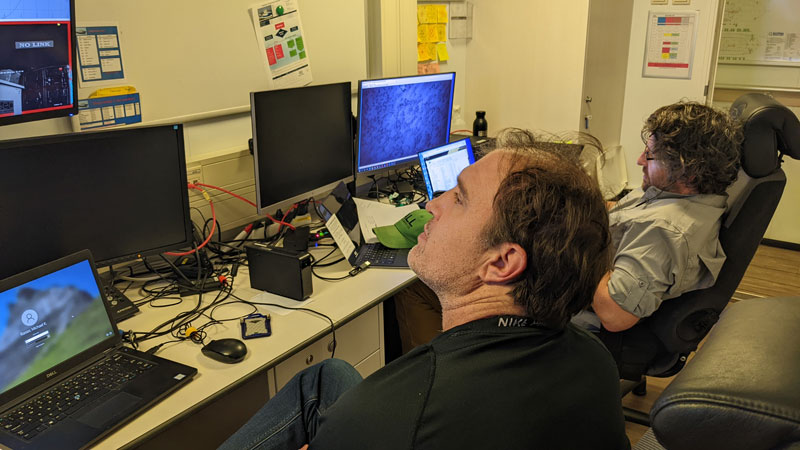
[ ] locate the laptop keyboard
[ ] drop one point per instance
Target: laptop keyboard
(378, 254)
(37, 414)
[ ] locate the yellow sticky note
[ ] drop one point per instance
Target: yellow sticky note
(432, 34)
(441, 32)
(441, 51)
(426, 52)
(426, 14)
(422, 33)
(441, 13)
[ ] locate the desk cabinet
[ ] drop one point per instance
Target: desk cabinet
(359, 342)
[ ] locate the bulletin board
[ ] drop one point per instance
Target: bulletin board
(194, 57)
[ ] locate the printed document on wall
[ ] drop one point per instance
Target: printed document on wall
(669, 48)
(280, 36)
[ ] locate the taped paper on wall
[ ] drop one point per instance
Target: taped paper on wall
(280, 34)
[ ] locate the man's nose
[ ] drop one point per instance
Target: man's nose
(642, 161)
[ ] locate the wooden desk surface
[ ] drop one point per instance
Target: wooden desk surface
(341, 301)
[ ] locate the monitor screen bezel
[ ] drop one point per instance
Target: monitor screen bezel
(60, 112)
(411, 159)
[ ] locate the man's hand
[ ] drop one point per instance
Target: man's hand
(305, 447)
(611, 315)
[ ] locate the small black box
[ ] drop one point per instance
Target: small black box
(280, 271)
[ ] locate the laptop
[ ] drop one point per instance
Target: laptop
(338, 210)
(441, 165)
(66, 379)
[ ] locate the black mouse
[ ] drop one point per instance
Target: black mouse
(227, 350)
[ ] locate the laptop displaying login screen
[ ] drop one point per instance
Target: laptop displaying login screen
(441, 165)
(48, 320)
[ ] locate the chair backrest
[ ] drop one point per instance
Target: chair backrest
(659, 344)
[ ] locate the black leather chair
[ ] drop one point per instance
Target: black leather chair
(659, 345)
(740, 391)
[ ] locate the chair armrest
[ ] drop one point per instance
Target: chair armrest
(740, 391)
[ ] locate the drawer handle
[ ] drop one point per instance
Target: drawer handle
(309, 359)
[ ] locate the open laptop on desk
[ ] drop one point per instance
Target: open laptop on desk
(341, 218)
(66, 378)
(441, 165)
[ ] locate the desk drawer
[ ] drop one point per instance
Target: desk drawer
(356, 341)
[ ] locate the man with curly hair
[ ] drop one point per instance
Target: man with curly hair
(665, 233)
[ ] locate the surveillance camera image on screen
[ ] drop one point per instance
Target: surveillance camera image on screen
(36, 60)
(47, 320)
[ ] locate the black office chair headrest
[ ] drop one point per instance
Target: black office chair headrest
(767, 125)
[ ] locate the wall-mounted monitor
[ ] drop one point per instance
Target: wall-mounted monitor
(399, 117)
(37, 60)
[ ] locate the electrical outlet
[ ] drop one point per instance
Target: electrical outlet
(194, 174)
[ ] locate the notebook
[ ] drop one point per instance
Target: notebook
(441, 165)
(341, 218)
(66, 379)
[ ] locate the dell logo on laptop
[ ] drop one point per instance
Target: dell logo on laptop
(51, 374)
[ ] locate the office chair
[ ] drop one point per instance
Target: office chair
(740, 390)
(660, 344)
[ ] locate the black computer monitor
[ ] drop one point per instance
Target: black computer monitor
(37, 60)
(122, 194)
(302, 142)
(399, 117)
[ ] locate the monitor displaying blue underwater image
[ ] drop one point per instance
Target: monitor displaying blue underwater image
(399, 117)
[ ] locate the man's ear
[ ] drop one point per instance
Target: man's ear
(505, 264)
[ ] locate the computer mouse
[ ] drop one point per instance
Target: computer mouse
(227, 350)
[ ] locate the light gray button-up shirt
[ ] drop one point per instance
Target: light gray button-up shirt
(666, 244)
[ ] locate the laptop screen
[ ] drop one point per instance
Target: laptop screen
(441, 165)
(48, 320)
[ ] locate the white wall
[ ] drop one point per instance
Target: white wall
(645, 95)
(525, 62)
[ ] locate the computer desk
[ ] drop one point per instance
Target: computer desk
(342, 301)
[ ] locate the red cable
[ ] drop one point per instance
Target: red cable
(213, 225)
(248, 202)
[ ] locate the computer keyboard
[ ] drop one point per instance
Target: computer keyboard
(57, 403)
(377, 254)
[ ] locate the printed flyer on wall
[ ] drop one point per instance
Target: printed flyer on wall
(280, 35)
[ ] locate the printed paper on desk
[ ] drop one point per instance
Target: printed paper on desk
(339, 234)
(373, 214)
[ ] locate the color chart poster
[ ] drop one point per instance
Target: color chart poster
(670, 43)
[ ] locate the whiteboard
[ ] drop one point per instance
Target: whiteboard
(189, 58)
(764, 32)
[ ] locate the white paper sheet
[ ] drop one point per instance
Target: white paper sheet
(373, 214)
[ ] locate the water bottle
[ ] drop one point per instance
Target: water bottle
(479, 126)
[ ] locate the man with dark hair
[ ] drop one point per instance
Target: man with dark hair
(513, 252)
(666, 233)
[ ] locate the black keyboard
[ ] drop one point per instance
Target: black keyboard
(377, 254)
(37, 414)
